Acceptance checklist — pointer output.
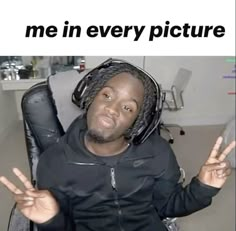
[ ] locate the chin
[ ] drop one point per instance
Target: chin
(97, 136)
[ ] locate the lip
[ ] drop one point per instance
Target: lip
(106, 121)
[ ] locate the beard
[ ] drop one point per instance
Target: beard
(98, 137)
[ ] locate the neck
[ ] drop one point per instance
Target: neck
(106, 149)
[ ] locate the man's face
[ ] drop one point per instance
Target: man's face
(115, 108)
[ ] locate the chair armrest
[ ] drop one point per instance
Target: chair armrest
(182, 100)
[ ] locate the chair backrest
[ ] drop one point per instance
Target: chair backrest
(47, 112)
(41, 125)
(182, 78)
(180, 82)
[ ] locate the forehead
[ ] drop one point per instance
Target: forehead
(127, 85)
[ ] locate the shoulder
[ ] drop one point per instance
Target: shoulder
(52, 155)
(51, 166)
(162, 152)
(56, 151)
(156, 145)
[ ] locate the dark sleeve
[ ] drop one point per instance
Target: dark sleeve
(48, 179)
(171, 199)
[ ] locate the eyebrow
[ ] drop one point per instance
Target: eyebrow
(132, 99)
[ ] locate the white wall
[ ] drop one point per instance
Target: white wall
(8, 112)
(206, 98)
(18, 98)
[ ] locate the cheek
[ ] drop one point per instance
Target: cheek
(91, 114)
(94, 108)
(128, 120)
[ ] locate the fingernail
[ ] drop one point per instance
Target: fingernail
(2, 178)
(222, 164)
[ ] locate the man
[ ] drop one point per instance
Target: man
(96, 178)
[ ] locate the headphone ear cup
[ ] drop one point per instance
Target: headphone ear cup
(147, 128)
(77, 95)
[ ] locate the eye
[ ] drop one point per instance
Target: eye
(107, 96)
(127, 108)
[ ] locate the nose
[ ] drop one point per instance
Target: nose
(112, 109)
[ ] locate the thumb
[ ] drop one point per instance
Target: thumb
(212, 167)
(36, 193)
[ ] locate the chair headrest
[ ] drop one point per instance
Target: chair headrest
(62, 85)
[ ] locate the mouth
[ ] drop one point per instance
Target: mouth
(106, 121)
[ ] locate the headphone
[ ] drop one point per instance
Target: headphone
(145, 130)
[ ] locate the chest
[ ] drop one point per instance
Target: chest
(131, 178)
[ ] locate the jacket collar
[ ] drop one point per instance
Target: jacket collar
(76, 152)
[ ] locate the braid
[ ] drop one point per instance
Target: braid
(150, 94)
(150, 97)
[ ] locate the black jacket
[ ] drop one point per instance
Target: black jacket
(134, 195)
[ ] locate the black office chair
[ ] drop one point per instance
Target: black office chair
(44, 123)
(47, 113)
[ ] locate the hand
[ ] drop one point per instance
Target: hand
(37, 205)
(216, 170)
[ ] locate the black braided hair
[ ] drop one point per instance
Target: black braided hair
(150, 95)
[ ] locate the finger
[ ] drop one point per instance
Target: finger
(22, 197)
(216, 147)
(220, 172)
(28, 203)
(226, 151)
(213, 167)
(35, 193)
(10, 186)
(224, 173)
(25, 204)
(23, 178)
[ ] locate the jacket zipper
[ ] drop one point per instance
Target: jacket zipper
(113, 184)
(82, 163)
(116, 201)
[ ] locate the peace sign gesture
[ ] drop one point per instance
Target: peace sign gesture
(37, 205)
(216, 169)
